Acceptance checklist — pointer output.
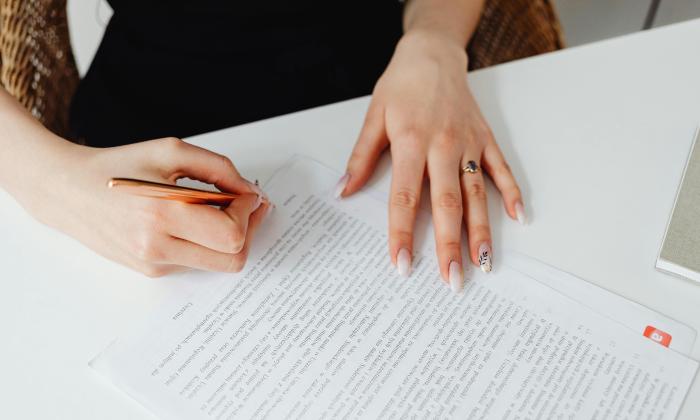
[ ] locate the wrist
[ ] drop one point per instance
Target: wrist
(41, 170)
(434, 44)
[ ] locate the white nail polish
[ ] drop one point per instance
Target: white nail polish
(403, 262)
(485, 258)
(257, 190)
(258, 202)
(340, 186)
(520, 213)
(456, 277)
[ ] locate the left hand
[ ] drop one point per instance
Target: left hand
(423, 109)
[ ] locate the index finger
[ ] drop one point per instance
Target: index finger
(179, 159)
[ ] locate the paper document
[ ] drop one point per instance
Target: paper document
(320, 326)
(617, 309)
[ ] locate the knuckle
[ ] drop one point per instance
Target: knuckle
(450, 201)
(449, 137)
(479, 233)
(146, 248)
(237, 263)
(234, 240)
(154, 214)
(450, 245)
(477, 191)
(502, 170)
(405, 198)
(153, 271)
(402, 236)
(226, 163)
(174, 144)
(409, 135)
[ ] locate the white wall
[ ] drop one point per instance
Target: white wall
(672, 11)
(583, 20)
(587, 21)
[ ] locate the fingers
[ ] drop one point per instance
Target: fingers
(181, 252)
(496, 166)
(369, 147)
(219, 230)
(407, 177)
(446, 200)
(160, 270)
(179, 159)
(239, 212)
(476, 216)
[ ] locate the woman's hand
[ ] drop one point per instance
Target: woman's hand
(155, 237)
(422, 108)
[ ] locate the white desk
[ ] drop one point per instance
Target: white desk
(597, 135)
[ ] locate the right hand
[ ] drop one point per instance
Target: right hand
(155, 237)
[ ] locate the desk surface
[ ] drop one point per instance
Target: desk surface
(597, 135)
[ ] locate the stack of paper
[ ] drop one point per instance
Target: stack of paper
(320, 326)
(680, 251)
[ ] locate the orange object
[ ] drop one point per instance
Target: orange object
(171, 192)
(657, 335)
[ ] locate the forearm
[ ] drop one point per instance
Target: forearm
(456, 20)
(28, 151)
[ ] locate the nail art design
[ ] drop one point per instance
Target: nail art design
(456, 277)
(485, 258)
(340, 186)
(403, 262)
(520, 213)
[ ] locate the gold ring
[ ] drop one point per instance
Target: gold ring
(470, 168)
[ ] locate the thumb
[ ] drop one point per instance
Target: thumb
(180, 159)
(369, 147)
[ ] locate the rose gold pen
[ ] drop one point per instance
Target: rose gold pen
(172, 192)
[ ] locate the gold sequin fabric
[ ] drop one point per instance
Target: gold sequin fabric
(513, 29)
(36, 61)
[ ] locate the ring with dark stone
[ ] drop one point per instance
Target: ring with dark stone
(470, 168)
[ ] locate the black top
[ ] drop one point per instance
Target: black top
(179, 68)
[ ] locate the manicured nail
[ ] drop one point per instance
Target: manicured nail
(258, 202)
(456, 277)
(485, 258)
(520, 213)
(340, 186)
(403, 262)
(257, 190)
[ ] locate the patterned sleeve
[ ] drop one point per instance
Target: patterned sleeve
(36, 61)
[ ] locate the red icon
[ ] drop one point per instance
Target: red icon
(657, 335)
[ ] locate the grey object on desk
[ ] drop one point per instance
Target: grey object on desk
(680, 251)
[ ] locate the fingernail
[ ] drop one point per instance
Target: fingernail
(485, 258)
(456, 277)
(520, 213)
(258, 202)
(403, 262)
(257, 190)
(340, 186)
